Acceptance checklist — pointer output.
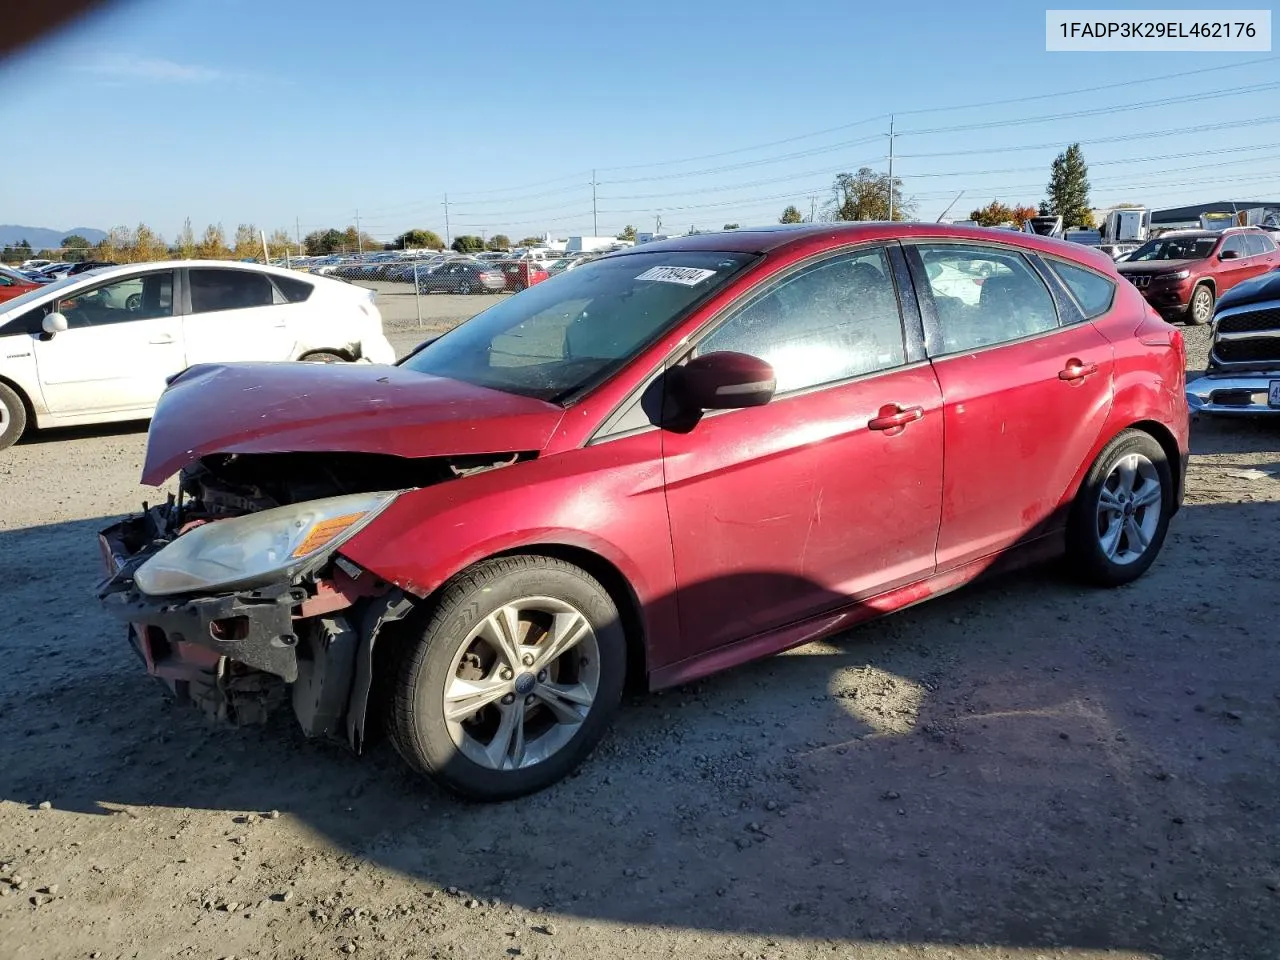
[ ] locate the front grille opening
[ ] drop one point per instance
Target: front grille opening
(1256, 321)
(1247, 351)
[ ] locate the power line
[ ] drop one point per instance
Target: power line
(1180, 75)
(1097, 111)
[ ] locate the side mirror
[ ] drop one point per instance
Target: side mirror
(726, 381)
(1229, 255)
(54, 323)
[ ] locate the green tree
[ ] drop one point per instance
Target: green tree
(213, 245)
(996, 213)
(76, 248)
(499, 241)
(321, 242)
(628, 233)
(528, 242)
(248, 243)
(419, 240)
(47, 254)
(1068, 191)
(791, 215)
(185, 245)
(865, 196)
(730, 226)
(468, 244)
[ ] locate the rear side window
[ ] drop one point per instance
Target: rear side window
(984, 296)
(1093, 293)
(1267, 245)
(1256, 244)
(294, 289)
(214, 289)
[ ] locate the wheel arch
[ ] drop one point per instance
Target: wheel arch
(1206, 282)
(620, 591)
(27, 404)
(336, 351)
(1169, 443)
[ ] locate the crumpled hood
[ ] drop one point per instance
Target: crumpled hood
(347, 407)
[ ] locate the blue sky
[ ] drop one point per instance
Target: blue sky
(706, 112)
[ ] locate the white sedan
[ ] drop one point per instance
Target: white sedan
(100, 345)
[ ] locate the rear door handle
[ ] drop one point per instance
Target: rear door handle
(1077, 370)
(892, 416)
(162, 338)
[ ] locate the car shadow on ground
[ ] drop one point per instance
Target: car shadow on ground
(1026, 763)
(60, 434)
(1214, 435)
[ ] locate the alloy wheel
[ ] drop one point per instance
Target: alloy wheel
(1130, 503)
(522, 683)
(1202, 304)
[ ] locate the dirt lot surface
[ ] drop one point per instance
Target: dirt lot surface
(1022, 769)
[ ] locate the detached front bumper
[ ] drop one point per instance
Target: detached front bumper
(240, 654)
(1236, 394)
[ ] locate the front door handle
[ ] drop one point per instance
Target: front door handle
(162, 338)
(1077, 369)
(892, 416)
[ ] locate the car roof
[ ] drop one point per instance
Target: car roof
(121, 269)
(779, 237)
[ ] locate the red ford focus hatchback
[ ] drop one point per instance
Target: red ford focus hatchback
(659, 465)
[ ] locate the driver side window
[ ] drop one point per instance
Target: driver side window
(828, 322)
(143, 297)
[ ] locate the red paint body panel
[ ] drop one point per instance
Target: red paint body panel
(1172, 297)
(1015, 437)
(779, 511)
(16, 288)
(291, 407)
(755, 529)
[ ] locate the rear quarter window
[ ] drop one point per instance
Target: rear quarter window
(1092, 291)
(294, 289)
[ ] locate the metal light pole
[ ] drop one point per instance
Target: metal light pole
(417, 292)
(447, 241)
(891, 167)
(595, 223)
(359, 241)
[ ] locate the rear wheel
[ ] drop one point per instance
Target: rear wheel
(513, 681)
(323, 356)
(1121, 514)
(464, 288)
(13, 417)
(1201, 310)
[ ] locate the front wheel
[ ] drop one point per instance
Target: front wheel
(1121, 514)
(13, 417)
(513, 681)
(1201, 310)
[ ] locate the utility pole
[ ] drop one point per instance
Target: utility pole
(297, 233)
(813, 208)
(447, 241)
(359, 241)
(657, 224)
(595, 223)
(891, 167)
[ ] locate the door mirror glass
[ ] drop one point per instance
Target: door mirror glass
(54, 323)
(1229, 255)
(725, 381)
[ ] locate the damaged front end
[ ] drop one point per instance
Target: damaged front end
(235, 595)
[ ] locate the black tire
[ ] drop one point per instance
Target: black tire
(13, 417)
(416, 705)
(464, 288)
(133, 303)
(1200, 309)
(323, 356)
(1086, 556)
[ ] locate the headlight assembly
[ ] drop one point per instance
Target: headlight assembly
(247, 551)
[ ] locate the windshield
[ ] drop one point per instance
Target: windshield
(29, 298)
(1174, 248)
(564, 334)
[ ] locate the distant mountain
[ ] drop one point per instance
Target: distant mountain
(42, 238)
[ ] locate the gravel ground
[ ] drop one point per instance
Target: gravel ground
(1021, 769)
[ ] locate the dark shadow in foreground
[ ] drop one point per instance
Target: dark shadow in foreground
(1025, 763)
